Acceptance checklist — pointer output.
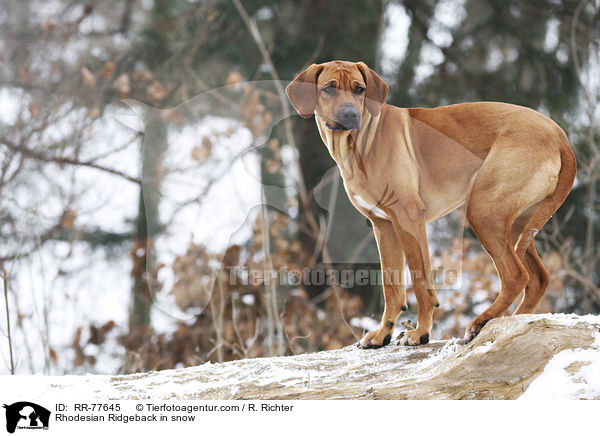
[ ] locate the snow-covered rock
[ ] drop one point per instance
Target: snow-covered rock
(526, 356)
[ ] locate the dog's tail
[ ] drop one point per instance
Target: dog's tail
(550, 204)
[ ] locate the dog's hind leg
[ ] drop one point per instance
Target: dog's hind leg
(539, 279)
(493, 231)
(392, 267)
(539, 276)
(504, 189)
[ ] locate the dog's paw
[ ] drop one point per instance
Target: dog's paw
(414, 337)
(376, 339)
(474, 328)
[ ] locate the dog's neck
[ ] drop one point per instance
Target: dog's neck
(349, 148)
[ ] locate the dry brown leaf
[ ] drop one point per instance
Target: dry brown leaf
(233, 80)
(109, 69)
(156, 91)
(273, 166)
(34, 109)
(24, 74)
(201, 152)
(553, 261)
(94, 113)
(171, 114)
(87, 76)
(143, 76)
(68, 218)
(47, 25)
(123, 84)
(211, 14)
(273, 144)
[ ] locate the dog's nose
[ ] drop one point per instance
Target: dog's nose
(349, 117)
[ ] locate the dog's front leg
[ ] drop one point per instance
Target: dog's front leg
(394, 294)
(413, 237)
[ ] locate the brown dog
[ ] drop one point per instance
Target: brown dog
(402, 168)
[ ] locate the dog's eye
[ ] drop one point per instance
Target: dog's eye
(329, 90)
(359, 90)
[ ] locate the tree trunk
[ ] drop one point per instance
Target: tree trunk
(530, 356)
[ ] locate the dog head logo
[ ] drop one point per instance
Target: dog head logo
(209, 162)
(26, 415)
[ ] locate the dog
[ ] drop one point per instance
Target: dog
(403, 167)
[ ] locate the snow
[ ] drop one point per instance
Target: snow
(248, 299)
(366, 323)
(344, 373)
(570, 374)
(482, 349)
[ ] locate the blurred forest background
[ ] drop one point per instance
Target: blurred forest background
(109, 267)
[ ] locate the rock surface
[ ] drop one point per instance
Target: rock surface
(502, 362)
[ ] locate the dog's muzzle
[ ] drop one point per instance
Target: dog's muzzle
(348, 118)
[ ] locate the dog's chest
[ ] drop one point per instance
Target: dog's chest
(370, 207)
(365, 201)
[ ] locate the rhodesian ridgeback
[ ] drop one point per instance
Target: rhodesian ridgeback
(511, 166)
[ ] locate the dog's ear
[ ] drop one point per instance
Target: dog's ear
(302, 91)
(377, 89)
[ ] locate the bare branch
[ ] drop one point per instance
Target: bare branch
(65, 160)
(251, 25)
(5, 280)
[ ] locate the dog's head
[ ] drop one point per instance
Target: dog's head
(341, 92)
